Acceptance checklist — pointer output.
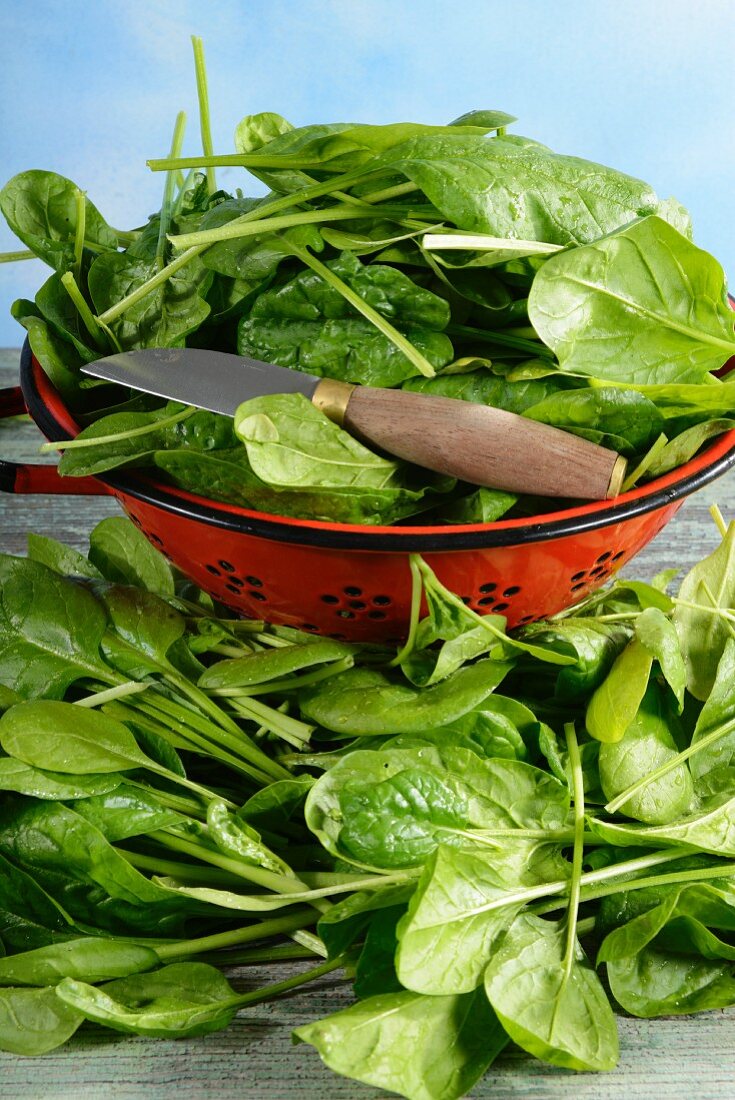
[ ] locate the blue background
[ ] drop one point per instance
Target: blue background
(92, 89)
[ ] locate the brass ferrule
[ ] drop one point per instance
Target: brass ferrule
(617, 477)
(332, 398)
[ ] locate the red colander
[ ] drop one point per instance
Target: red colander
(353, 582)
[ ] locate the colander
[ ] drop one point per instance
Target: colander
(353, 582)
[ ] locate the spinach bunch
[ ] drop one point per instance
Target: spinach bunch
(459, 259)
(470, 827)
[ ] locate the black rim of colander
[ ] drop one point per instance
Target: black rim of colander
(454, 538)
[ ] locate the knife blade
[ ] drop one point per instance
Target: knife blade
(214, 380)
(474, 443)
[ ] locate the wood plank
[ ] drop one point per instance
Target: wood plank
(254, 1059)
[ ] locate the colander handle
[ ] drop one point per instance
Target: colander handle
(28, 477)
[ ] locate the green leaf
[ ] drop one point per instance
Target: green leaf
(62, 559)
(273, 664)
(615, 702)
(40, 207)
(513, 187)
(623, 420)
(452, 1041)
(642, 305)
(90, 959)
(309, 325)
(392, 807)
(165, 315)
(66, 738)
(35, 1021)
(703, 634)
(39, 783)
(180, 1000)
(125, 556)
(658, 634)
(364, 701)
(450, 932)
(647, 745)
(50, 630)
(717, 710)
(569, 1023)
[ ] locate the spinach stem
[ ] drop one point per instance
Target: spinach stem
(148, 287)
(347, 179)
(719, 519)
(720, 731)
(183, 872)
(259, 876)
(99, 698)
(88, 319)
(275, 990)
(15, 257)
(290, 729)
(79, 444)
(645, 463)
(292, 683)
(204, 120)
(275, 926)
(575, 762)
(538, 350)
(235, 230)
(397, 338)
(239, 749)
(417, 590)
(168, 192)
(79, 229)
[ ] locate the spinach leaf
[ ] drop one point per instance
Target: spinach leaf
(646, 745)
(59, 359)
(615, 702)
(482, 506)
(450, 931)
(452, 1041)
(486, 388)
(126, 812)
(40, 207)
(717, 710)
(179, 1000)
(346, 920)
(62, 559)
(641, 305)
(658, 634)
(70, 739)
(39, 783)
(124, 555)
(35, 1021)
(511, 187)
(307, 324)
(659, 983)
(90, 959)
(375, 972)
(165, 315)
(623, 420)
(568, 1024)
(703, 633)
(29, 917)
(392, 807)
(273, 664)
(364, 701)
(50, 630)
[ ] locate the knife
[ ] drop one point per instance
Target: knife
(475, 443)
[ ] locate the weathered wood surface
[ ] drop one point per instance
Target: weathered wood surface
(254, 1058)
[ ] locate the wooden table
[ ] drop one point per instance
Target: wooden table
(676, 1057)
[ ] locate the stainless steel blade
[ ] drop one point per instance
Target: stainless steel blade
(211, 380)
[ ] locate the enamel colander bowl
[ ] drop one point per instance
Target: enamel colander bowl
(353, 582)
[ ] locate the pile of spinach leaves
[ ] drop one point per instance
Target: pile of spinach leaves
(469, 829)
(460, 260)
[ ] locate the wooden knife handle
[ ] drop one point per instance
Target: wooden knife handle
(475, 443)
